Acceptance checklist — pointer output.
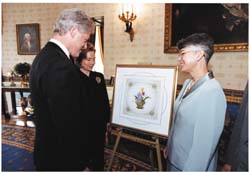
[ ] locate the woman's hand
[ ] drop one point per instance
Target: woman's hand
(86, 169)
(109, 128)
(165, 152)
(108, 132)
(226, 167)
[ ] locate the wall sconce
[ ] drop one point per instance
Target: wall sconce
(127, 17)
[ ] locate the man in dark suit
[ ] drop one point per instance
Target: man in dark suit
(58, 96)
(237, 153)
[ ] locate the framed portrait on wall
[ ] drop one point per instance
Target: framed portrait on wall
(227, 24)
(28, 39)
(143, 97)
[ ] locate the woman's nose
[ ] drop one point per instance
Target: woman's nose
(179, 58)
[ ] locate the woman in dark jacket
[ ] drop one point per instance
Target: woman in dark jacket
(99, 110)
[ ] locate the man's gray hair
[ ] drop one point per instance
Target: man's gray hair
(69, 18)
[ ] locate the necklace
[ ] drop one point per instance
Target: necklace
(191, 84)
(195, 84)
(189, 87)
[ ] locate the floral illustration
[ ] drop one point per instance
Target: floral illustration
(140, 99)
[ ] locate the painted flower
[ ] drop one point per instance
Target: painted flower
(140, 99)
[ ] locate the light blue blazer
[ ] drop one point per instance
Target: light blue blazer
(197, 125)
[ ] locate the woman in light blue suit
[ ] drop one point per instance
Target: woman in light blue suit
(199, 110)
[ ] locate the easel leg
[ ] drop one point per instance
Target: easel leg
(151, 157)
(158, 151)
(114, 150)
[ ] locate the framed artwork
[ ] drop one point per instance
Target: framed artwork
(28, 39)
(144, 96)
(226, 23)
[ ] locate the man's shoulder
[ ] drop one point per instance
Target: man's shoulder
(51, 49)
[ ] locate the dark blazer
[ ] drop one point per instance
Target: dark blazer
(61, 130)
(98, 117)
(97, 96)
(237, 152)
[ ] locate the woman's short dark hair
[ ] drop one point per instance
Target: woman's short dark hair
(83, 54)
(203, 40)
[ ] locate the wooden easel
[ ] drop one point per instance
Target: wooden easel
(154, 144)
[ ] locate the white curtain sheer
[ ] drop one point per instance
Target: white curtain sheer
(98, 67)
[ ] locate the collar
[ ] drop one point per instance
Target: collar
(202, 80)
(65, 50)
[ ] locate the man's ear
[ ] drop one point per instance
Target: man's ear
(73, 31)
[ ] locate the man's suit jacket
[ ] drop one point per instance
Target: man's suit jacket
(237, 152)
(197, 125)
(61, 130)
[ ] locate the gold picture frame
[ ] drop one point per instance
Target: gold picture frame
(28, 39)
(231, 43)
(143, 97)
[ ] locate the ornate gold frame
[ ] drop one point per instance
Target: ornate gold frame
(130, 72)
(173, 49)
(33, 29)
